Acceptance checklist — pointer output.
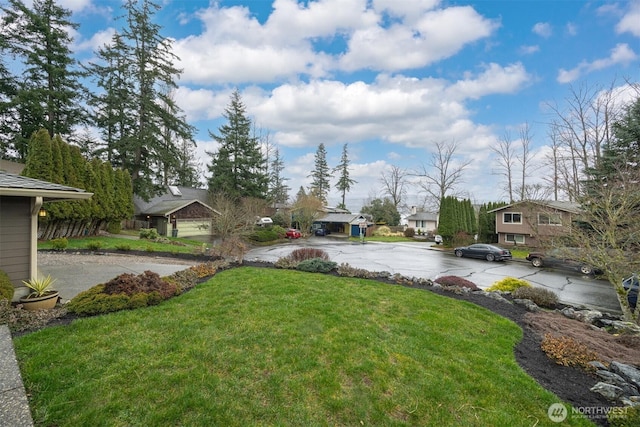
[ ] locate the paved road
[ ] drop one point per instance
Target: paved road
(423, 260)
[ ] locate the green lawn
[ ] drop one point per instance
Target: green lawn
(258, 346)
(176, 245)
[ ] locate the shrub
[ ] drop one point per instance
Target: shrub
(410, 232)
(268, 234)
(231, 247)
(125, 292)
(147, 282)
(568, 352)
(6, 287)
(114, 227)
(542, 297)
(285, 262)
(94, 245)
(204, 269)
(59, 244)
(123, 247)
(382, 231)
(149, 233)
(456, 281)
(150, 248)
(316, 265)
(184, 279)
(346, 270)
(508, 284)
(303, 254)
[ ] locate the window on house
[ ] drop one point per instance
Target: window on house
(514, 238)
(512, 218)
(549, 219)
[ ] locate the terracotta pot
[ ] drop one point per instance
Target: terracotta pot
(40, 303)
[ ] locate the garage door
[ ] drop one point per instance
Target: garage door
(193, 227)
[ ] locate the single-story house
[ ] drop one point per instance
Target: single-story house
(535, 223)
(182, 211)
(21, 200)
(343, 223)
(426, 222)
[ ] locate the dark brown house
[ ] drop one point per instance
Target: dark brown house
(21, 202)
(535, 223)
(179, 211)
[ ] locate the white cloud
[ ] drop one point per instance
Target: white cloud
(435, 35)
(494, 79)
(622, 54)
(528, 50)
(97, 41)
(543, 29)
(630, 22)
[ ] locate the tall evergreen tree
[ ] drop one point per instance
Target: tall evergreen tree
(237, 169)
(50, 91)
(344, 181)
(320, 175)
(278, 190)
(8, 92)
(139, 119)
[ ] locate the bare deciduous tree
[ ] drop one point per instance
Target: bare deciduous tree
(442, 173)
(610, 236)
(523, 158)
(581, 129)
(506, 159)
(394, 184)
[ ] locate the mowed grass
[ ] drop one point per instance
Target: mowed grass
(256, 346)
(117, 243)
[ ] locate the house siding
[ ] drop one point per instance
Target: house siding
(15, 238)
(533, 232)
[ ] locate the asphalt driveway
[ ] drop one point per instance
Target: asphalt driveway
(425, 260)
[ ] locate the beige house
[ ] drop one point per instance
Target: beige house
(21, 200)
(535, 223)
(424, 221)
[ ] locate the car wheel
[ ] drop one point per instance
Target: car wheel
(585, 269)
(491, 257)
(536, 262)
(458, 254)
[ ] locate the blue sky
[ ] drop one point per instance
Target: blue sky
(388, 77)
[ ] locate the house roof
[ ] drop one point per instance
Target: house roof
(423, 216)
(571, 207)
(22, 186)
(342, 218)
(172, 200)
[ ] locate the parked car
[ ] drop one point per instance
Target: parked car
(321, 232)
(560, 258)
(631, 284)
(438, 239)
(292, 233)
(483, 251)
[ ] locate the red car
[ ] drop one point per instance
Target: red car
(292, 233)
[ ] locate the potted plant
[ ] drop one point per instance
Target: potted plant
(42, 295)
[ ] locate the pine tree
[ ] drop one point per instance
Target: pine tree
(237, 169)
(344, 181)
(278, 190)
(139, 119)
(50, 95)
(320, 175)
(8, 91)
